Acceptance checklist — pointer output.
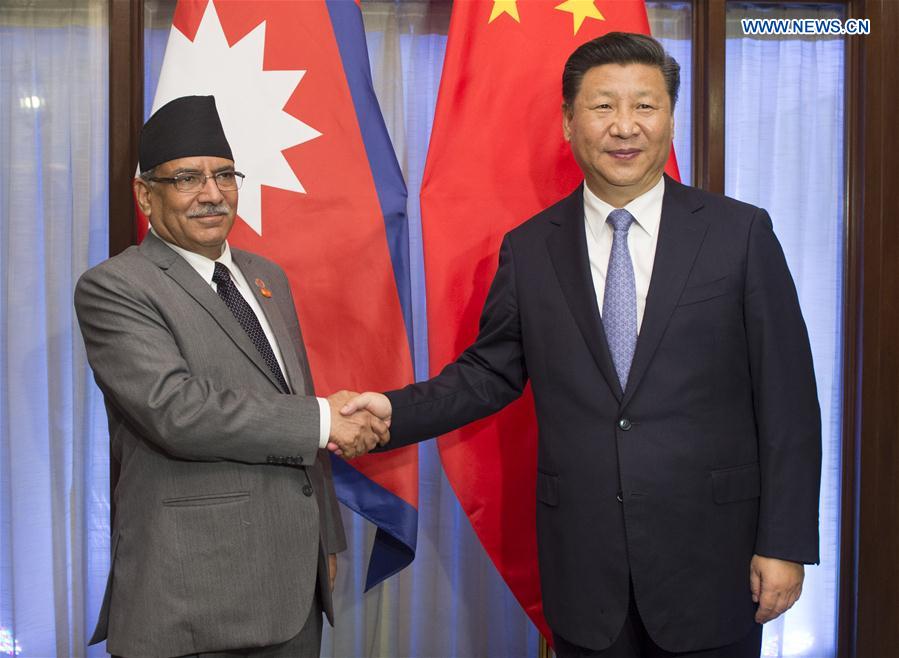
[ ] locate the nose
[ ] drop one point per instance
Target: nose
(623, 125)
(210, 192)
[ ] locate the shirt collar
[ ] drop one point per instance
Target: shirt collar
(646, 208)
(204, 266)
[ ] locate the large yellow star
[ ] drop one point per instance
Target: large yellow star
(504, 7)
(580, 10)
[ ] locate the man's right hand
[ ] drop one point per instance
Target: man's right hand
(354, 434)
(375, 403)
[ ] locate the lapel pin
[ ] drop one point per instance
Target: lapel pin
(264, 291)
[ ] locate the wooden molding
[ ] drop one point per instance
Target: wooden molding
(709, 27)
(126, 78)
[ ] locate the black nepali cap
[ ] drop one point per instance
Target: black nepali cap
(182, 128)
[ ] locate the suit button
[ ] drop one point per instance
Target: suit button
(307, 489)
(620, 497)
(624, 424)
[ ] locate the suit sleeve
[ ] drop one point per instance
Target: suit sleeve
(333, 535)
(488, 375)
(141, 371)
(788, 417)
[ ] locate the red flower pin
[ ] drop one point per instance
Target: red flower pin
(263, 289)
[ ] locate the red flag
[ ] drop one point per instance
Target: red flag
(323, 197)
(497, 156)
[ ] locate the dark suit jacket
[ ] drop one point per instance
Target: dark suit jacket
(224, 503)
(711, 454)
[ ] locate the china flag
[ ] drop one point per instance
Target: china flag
(497, 157)
(324, 198)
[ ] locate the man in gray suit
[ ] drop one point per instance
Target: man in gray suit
(226, 524)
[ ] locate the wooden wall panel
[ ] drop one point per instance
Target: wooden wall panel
(869, 579)
(126, 78)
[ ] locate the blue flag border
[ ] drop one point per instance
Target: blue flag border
(396, 520)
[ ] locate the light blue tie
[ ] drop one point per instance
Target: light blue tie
(619, 303)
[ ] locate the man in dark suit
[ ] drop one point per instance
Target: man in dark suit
(679, 429)
(226, 524)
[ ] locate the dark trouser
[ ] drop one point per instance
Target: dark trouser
(634, 642)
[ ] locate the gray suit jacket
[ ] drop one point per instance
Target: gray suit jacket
(224, 503)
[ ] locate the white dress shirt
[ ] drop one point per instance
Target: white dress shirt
(642, 238)
(205, 268)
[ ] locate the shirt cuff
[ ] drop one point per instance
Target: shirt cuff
(324, 422)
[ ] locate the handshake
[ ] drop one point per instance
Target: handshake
(359, 423)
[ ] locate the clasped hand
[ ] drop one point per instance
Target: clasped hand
(355, 430)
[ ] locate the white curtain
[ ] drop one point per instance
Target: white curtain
(54, 469)
(784, 152)
(672, 24)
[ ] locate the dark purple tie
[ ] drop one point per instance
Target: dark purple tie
(248, 320)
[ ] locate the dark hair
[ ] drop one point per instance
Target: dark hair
(619, 48)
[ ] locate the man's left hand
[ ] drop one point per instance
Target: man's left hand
(775, 584)
(332, 570)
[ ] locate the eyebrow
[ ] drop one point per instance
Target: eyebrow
(615, 94)
(188, 170)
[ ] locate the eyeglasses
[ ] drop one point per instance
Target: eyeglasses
(189, 181)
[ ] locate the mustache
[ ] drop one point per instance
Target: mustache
(210, 210)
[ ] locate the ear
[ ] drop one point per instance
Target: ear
(566, 122)
(142, 194)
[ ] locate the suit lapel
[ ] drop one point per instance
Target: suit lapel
(250, 266)
(193, 284)
(681, 232)
(568, 252)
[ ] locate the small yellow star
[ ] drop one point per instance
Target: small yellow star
(504, 7)
(580, 10)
